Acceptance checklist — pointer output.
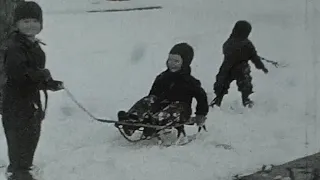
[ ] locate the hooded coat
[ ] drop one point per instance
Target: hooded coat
(237, 51)
(181, 85)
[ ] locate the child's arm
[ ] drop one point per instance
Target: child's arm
(202, 107)
(157, 87)
(52, 85)
(255, 59)
(17, 70)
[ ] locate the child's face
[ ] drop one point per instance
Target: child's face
(174, 62)
(30, 27)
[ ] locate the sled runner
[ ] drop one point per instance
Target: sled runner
(152, 119)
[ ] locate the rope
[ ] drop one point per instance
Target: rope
(78, 104)
(72, 97)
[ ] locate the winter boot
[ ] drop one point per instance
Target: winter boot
(22, 174)
(217, 101)
(246, 101)
(124, 117)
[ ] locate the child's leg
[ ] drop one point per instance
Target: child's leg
(13, 149)
(244, 83)
(29, 142)
(221, 87)
(22, 143)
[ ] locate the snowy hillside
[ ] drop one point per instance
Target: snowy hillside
(109, 61)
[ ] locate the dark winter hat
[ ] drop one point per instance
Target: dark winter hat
(28, 9)
(241, 29)
(185, 51)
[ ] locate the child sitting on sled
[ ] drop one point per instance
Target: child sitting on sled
(170, 97)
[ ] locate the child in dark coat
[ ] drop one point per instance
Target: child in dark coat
(171, 93)
(237, 50)
(177, 84)
(26, 76)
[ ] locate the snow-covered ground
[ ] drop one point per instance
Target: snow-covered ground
(109, 61)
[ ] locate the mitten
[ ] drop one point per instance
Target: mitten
(200, 120)
(54, 85)
(265, 70)
(151, 98)
(41, 75)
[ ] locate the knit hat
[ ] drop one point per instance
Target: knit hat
(28, 9)
(185, 51)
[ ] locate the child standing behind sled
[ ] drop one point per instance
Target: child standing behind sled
(237, 50)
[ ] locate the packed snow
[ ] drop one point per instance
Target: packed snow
(109, 61)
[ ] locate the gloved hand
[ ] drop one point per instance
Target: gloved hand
(54, 85)
(41, 75)
(152, 97)
(200, 120)
(265, 70)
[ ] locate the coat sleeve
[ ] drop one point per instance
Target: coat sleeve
(231, 53)
(17, 70)
(157, 87)
(200, 95)
(255, 59)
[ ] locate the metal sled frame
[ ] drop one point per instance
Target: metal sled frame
(158, 129)
(122, 123)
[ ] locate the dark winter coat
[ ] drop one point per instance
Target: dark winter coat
(180, 86)
(23, 66)
(238, 50)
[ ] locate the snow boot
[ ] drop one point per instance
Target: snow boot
(217, 101)
(20, 174)
(124, 117)
(246, 101)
